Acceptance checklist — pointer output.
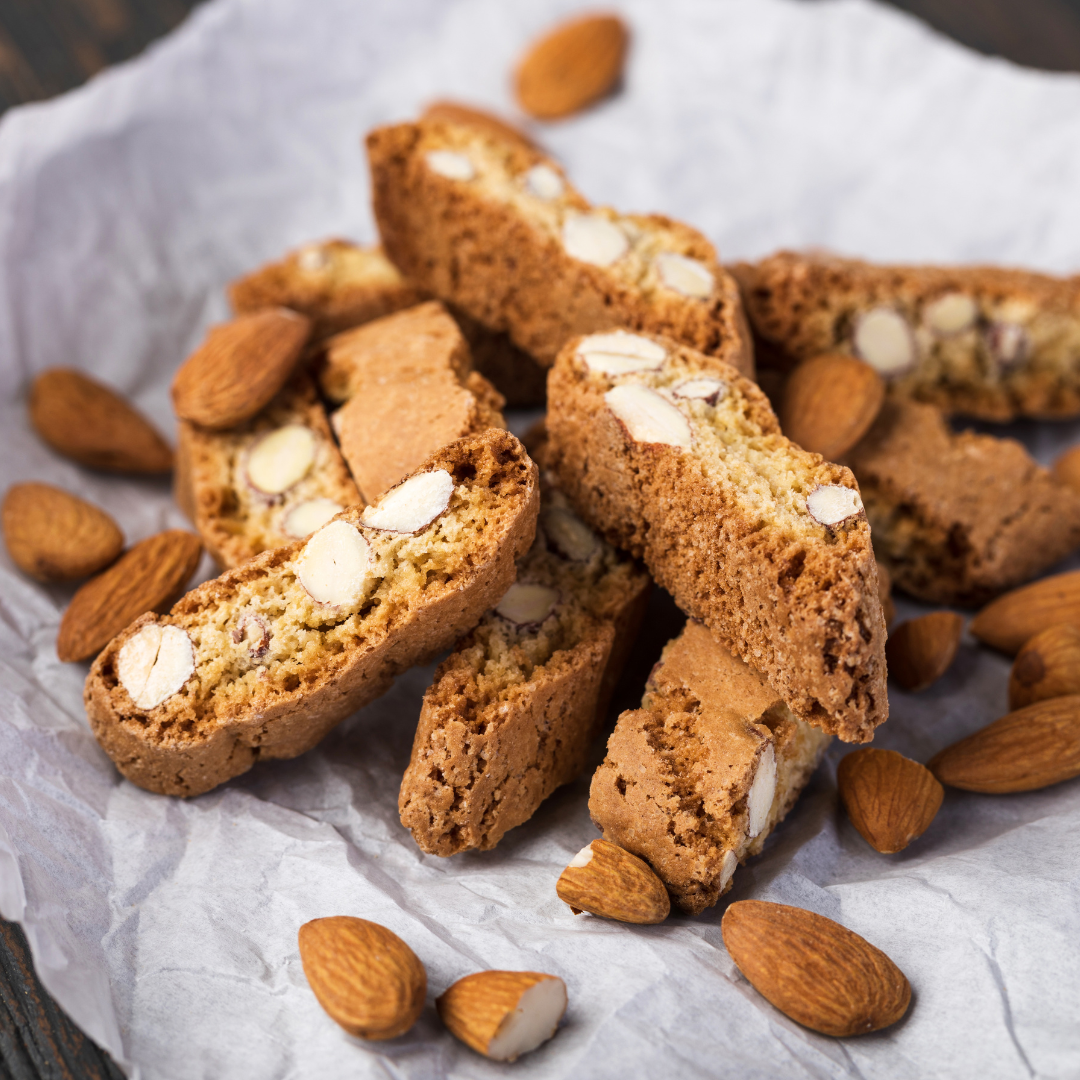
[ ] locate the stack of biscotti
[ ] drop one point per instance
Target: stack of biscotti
(696, 779)
(675, 457)
(494, 228)
(513, 712)
(979, 340)
(263, 661)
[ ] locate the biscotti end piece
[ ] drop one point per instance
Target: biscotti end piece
(696, 779)
(959, 518)
(496, 230)
(979, 340)
(677, 458)
(335, 283)
(512, 714)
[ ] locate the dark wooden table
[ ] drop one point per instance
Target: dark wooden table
(49, 46)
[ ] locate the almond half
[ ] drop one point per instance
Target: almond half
(921, 650)
(890, 799)
(367, 979)
(1015, 618)
(1048, 666)
(814, 970)
(1029, 749)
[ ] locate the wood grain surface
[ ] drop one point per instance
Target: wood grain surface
(49, 46)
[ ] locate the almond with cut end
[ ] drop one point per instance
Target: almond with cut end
(1067, 468)
(608, 881)
(1048, 666)
(814, 970)
(413, 505)
(503, 1014)
(468, 115)
(830, 401)
(646, 417)
(149, 577)
(334, 565)
(921, 650)
(53, 535)
(89, 423)
(1015, 618)
(884, 340)
(367, 979)
(239, 367)
(572, 66)
(1029, 749)
(890, 799)
(833, 504)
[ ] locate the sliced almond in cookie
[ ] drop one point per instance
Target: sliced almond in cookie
(832, 504)
(605, 880)
(91, 424)
(951, 314)
(526, 604)
(544, 182)
(281, 459)
(685, 275)
(710, 391)
(450, 164)
(568, 534)
(594, 239)
(620, 353)
(55, 536)
(304, 518)
(647, 417)
(884, 340)
(335, 565)
(921, 650)
(239, 367)
(412, 505)
(155, 663)
(1047, 666)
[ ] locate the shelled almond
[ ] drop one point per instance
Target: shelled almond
(921, 650)
(1047, 666)
(606, 880)
(1016, 617)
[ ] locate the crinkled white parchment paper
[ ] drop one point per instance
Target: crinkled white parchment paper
(168, 929)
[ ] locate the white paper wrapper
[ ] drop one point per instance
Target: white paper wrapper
(168, 929)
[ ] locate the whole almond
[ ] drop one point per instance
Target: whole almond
(890, 799)
(53, 535)
(1015, 618)
(468, 115)
(149, 577)
(814, 970)
(829, 403)
(240, 366)
(1067, 468)
(921, 650)
(1029, 749)
(571, 67)
(503, 1014)
(367, 979)
(606, 880)
(1047, 666)
(89, 423)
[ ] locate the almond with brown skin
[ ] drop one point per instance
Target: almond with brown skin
(814, 970)
(1048, 666)
(1015, 618)
(921, 650)
(1067, 468)
(89, 423)
(149, 577)
(606, 880)
(829, 403)
(1029, 749)
(890, 799)
(503, 1014)
(457, 113)
(53, 535)
(571, 67)
(367, 979)
(240, 366)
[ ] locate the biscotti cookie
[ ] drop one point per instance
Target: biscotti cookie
(958, 518)
(496, 230)
(979, 340)
(263, 661)
(696, 779)
(267, 483)
(675, 457)
(513, 712)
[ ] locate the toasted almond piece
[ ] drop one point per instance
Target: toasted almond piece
(890, 799)
(363, 975)
(711, 391)
(334, 565)
(413, 505)
(1028, 749)
(759, 798)
(572, 66)
(503, 1014)
(884, 340)
(544, 182)
(149, 577)
(833, 504)
(620, 353)
(53, 535)
(240, 366)
(1008, 344)
(1009, 621)
(646, 417)
(527, 604)
(280, 459)
(921, 650)
(568, 534)
(814, 970)
(1067, 468)
(1048, 666)
(593, 239)
(450, 164)
(608, 881)
(684, 275)
(306, 517)
(458, 113)
(91, 424)
(951, 314)
(830, 401)
(155, 663)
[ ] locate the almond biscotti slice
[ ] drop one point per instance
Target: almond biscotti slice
(675, 457)
(979, 340)
(959, 518)
(495, 229)
(512, 713)
(696, 779)
(271, 481)
(263, 661)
